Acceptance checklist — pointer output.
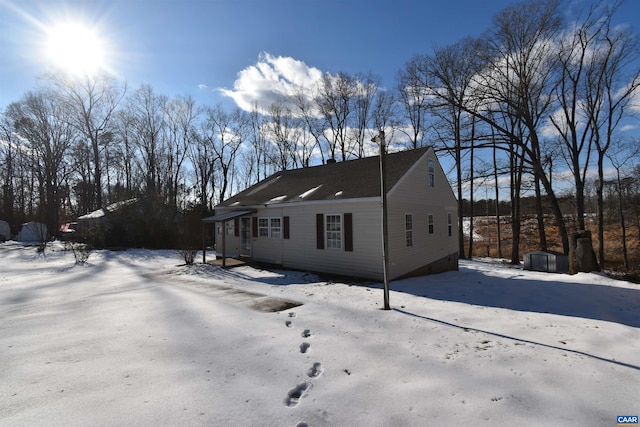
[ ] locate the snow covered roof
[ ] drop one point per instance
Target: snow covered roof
(351, 179)
(111, 208)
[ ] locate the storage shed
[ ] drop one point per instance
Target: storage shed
(33, 232)
(547, 261)
(5, 231)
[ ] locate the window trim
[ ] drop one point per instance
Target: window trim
(272, 228)
(269, 228)
(339, 234)
(263, 228)
(408, 229)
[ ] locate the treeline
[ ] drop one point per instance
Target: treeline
(536, 95)
(621, 211)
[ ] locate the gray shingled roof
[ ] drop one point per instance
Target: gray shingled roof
(342, 180)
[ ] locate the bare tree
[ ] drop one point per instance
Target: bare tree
(202, 159)
(225, 133)
(128, 178)
(334, 101)
(366, 89)
(574, 127)
(612, 80)
(385, 113)
(517, 84)
(181, 115)
(43, 123)
(92, 100)
(284, 134)
(311, 123)
(621, 154)
(448, 77)
(9, 153)
(413, 97)
(147, 112)
(260, 153)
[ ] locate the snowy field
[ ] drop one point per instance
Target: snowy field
(134, 338)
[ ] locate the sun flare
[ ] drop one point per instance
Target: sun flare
(75, 48)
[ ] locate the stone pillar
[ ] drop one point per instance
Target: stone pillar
(582, 257)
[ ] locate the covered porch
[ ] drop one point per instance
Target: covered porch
(223, 219)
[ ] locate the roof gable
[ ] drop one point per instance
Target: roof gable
(351, 179)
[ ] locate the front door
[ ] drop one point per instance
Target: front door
(245, 236)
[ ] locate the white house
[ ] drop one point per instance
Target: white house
(328, 218)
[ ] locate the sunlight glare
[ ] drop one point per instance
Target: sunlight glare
(75, 48)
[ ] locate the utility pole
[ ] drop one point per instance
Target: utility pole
(385, 231)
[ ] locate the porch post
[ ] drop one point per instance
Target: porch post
(204, 245)
(224, 248)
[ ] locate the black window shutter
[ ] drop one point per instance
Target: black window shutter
(348, 232)
(285, 225)
(254, 226)
(320, 231)
(236, 227)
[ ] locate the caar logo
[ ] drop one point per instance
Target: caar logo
(627, 420)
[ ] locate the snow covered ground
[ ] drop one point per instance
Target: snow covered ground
(133, 338)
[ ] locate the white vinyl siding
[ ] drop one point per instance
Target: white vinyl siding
(414, 194)
(301, 252)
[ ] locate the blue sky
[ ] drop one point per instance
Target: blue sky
(198, 47)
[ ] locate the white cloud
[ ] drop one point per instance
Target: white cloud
(202, 86)
(270, 80)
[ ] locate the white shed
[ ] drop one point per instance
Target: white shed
(5, 230)
(33, 232)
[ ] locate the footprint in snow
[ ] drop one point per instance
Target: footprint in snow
(296, 393)
(288, 323)
(304, 347)
(315, 371)
(306, 333)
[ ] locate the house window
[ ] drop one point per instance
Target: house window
(432, 173)
(263, 227)
(430, 223)
(408, 229)
(333, 231)
(270, 227)
(275, 227)
(449, 224)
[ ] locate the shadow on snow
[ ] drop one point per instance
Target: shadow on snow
(517, 292)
